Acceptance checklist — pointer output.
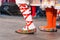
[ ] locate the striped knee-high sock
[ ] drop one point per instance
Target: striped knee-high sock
(25, 10)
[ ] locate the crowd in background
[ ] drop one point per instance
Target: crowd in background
(39, 11)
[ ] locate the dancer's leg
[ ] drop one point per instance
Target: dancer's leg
(29, 28)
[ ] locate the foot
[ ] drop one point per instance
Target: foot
(21, 31)
(45, 29)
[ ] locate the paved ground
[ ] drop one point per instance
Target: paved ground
(8, 25)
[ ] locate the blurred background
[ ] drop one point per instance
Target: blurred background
(9, 7)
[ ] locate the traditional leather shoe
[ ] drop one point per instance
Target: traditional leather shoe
(45, 29)
(21, 31)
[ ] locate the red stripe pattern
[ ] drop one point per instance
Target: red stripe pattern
(26, 14)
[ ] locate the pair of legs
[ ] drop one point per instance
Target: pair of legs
(30, 28)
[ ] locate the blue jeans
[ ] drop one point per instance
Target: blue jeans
(39, 11)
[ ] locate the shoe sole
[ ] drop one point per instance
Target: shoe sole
(52, 30)
(26, 32)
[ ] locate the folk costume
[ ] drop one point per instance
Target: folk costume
(26, 12)
(51, 13)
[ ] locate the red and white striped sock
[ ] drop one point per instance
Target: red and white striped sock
(27, 16)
